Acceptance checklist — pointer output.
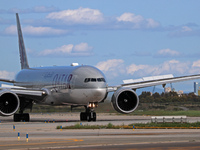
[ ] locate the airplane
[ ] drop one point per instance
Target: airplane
(75, 85)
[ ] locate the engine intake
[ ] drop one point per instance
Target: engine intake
(125, 100)
(9, 103)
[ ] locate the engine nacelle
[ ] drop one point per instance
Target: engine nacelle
(9, 103)
(125, 100)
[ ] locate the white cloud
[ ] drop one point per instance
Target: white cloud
(78, 16)
(186, 29)
(167, 53)
(77, 19)
(11, 30)
(35, 31)
(65, 49)
(7, 75)
(82, 49)
(112, 67)
(134, 68)
(171, 66)
(196, 63)
(137, 21)
(116, 67)
(109, 64)
(130, 17)
(43, 31)
(151, 23)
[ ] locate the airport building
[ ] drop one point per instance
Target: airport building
(169, 89)
(196, 88)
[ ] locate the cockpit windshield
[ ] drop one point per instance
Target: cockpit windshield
(94, 80)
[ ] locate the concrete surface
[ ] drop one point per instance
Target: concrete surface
(45, 135)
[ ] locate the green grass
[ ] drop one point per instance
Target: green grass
(168, 124)
(137, 125)
(79, 126)
(189, 113)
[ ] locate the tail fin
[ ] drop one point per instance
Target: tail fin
(22, 50)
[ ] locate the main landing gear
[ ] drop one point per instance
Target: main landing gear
(21, 117)
(89, 114)
(24, 104)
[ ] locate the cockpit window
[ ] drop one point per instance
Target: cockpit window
(99, 80)
(94, 80)
(87, 79)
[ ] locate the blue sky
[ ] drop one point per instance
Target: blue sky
(123, 38)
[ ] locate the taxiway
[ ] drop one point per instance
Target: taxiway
(42, 134)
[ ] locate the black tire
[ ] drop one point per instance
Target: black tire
(25, 117)
(94, 116)
(83, 116)
(89, 117)
(21, 117)
(17, 117)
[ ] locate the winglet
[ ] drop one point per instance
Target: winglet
(22, 50)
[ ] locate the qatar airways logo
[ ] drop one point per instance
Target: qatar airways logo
(62, 81)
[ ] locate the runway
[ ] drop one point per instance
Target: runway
(43, 135)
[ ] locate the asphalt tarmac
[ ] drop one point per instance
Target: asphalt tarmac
(42, 134)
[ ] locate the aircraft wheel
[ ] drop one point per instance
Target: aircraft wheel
(21, 117)
(83, 116)
(25, 117)
(17, 117)
(94, 116)
(91, 116)
(88, 116)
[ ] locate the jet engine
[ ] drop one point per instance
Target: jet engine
(125, 100)
(9, 103)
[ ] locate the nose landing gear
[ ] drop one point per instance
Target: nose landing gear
(89, 114)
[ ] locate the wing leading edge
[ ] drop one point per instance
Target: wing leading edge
(154, 82)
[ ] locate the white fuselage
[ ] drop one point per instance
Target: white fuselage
(71, 85)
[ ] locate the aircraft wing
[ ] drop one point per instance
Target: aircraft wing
(25, 92)
(7, 80)
(28, 92)
(152, 81)
(22, 90)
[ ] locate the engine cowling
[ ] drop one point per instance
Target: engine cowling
(125, 100)
(9, 103)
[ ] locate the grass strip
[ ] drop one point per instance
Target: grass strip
(167, 125)
(175, 125)
(189, 113)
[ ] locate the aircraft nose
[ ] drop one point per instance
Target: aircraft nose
(99, 94)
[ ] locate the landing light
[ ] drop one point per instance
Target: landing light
(92, 105)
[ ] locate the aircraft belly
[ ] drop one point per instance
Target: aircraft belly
(83, 96)
(75, 96)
